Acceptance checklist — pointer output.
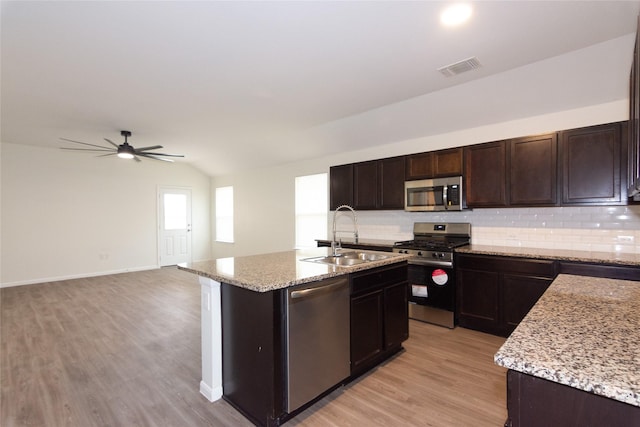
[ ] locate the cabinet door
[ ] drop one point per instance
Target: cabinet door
(477, 300)
(340, 186)
(396, 315)
(419, 166)
(533, 169)
(365, 185)
(485, 174)
(633, 159)
(367, 339)
(253, 351)
(519, 295)
(447, 162)
(391, 185)
(434, 164)
(591, 173)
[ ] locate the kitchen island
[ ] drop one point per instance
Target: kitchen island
(245, 306)
(575, 358)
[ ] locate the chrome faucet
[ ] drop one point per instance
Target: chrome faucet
(335, 245)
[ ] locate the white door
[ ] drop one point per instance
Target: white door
(174, 235)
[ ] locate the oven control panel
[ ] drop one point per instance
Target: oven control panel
(427, 257)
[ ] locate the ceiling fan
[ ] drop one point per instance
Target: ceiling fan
(124, 150)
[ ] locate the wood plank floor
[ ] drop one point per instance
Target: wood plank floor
(124, 350)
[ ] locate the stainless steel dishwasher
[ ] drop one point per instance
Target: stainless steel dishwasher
(318, 339)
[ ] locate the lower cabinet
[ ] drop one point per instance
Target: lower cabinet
(533, 402)
(495, 293)
(379, 315)
(253, 353)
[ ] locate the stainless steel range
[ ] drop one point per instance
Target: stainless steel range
(432, 284)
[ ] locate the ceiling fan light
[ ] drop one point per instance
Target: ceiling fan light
(125, 151)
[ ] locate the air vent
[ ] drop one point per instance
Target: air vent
(460, 67)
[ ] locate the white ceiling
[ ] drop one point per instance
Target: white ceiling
(235, 85)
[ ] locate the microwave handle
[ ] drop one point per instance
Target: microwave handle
(445, 197)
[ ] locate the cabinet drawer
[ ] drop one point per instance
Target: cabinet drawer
(373, 279)
(531, 267)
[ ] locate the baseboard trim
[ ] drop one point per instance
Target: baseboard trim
(211, 394)
(76, 276)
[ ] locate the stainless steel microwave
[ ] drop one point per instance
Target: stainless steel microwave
(438, 194)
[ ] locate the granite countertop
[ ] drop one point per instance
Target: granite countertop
(267, 272)
(614, 258)
(583, 332)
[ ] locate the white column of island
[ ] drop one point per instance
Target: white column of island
(211, 330)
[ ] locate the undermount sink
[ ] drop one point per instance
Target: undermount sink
(348, 258)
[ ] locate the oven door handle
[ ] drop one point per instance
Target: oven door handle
(430, 263)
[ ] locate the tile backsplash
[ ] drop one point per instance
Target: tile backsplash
(602, 228)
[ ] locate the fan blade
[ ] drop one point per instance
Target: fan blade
(137, 159)
(153, 147)
(161, 154)
(111, 142)
(154, 158)
(105, 155)
(84, 143)
(86, 149)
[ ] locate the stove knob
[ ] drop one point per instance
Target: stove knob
(434, 255)
(441, 255)
(419, 253)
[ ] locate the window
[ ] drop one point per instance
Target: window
(224, 214)
(311, 209)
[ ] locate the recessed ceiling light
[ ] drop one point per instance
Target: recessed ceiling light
(455, 14)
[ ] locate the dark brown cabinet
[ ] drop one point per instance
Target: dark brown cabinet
(253, 353)
(379, 315)
(391, 174)
(633, 159)
(533, 171)
(340, 186)
(375, 184)
(365, 185)
(576, 167)
(485, 174)
(534, 401)
(495, 293)
(592, 165)
(434, 164)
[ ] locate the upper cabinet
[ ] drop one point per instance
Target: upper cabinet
(485, 174)
(633, 162)
(376, 184)
(592, 165)
(585, 166)
(434, 164)
(391, 174)
(533, 171)
(576, 167)
(340, 186)
(365, 185)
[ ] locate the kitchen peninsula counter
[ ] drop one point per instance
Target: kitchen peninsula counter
(610, 258)
(278, 270)
(584, 332)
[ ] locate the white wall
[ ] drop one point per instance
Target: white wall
(264, 204)
(67, 214)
